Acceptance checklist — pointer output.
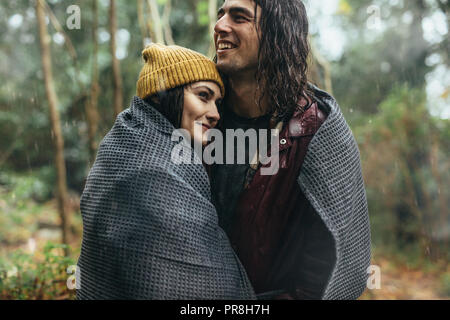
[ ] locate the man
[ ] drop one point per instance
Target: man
(303, 232)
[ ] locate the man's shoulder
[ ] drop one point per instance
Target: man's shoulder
(306, 122)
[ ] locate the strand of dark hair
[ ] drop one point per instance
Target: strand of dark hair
(170, 104)
(283, 54)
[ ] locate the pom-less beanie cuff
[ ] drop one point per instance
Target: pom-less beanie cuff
(168, 67)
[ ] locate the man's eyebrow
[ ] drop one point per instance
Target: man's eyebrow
(235, 10)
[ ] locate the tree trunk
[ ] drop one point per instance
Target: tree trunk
(117, 79)
(150, 25)
(141, 20)
(418, 48)
(320, 69)
(157, 25)
(92, 102)
(212, 12)
(166, 23)
(54, 119)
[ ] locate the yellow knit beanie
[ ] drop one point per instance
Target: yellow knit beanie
(167, 67)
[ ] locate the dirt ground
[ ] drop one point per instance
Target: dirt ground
(402, 282)
(399, 280)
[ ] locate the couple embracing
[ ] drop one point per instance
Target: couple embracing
(157, 229)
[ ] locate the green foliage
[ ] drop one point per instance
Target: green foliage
(379, 81)
(202, 11)
(24, 122)
(404, 168)
(33, 185)
(385, 47)
(21, 198)
(445, 280)
(28, 276)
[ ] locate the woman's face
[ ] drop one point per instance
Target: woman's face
(200, 109)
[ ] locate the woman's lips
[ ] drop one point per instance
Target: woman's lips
(206, 127)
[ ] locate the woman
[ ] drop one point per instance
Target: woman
(150, 229)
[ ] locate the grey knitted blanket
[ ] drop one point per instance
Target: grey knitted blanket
(150, 229)
(331, 179)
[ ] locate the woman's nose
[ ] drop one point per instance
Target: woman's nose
(213, 116)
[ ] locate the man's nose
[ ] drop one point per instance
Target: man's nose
(222, 25)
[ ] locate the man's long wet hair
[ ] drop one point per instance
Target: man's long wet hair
(283, 55)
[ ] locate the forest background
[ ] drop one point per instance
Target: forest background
(64, 80)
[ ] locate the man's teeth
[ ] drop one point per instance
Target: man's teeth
(223, 46)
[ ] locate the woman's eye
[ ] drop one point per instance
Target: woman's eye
(203, 95)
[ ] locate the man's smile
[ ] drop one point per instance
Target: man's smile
(223, 46)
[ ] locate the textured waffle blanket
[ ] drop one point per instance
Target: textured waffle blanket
(150, 229)
(331, 179)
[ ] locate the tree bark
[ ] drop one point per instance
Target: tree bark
(149, 24)
(157, 25)
(320, 65)
(92, 103)
(117, 79)
(141, 21)
(212, 12)
(57, 136)
(166, 23)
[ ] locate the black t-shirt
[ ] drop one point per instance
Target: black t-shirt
(227, 180)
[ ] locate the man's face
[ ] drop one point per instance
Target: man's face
(236, 37)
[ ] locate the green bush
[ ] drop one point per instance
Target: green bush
(404, 164)
(21, 198)
(445, 289)
(28, 276)
(22, 187)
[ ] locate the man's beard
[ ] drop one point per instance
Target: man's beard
(231, 69)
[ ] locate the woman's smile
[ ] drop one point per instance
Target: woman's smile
(200, 109)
